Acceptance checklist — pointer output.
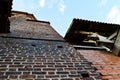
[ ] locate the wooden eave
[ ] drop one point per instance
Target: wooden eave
(77, 25)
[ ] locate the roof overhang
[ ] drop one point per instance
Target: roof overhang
(79, 26)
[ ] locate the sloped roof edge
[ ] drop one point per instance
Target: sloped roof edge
(99, 22)
(15, 11)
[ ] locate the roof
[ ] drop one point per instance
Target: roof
(21, 13)
(73, 34)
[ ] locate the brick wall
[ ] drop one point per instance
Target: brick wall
(35, 51)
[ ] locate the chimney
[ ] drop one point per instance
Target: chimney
(5, 12)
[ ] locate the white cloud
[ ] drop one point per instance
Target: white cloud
(58, 4)
(114, 15)
(62, 6)
(103, 3)
(42, 3)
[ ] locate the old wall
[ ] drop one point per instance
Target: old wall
(116, 49)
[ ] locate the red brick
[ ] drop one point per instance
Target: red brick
(27, 76)
(107, 77)
(117, 77)
(70, 69)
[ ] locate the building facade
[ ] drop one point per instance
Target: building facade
(34, 50)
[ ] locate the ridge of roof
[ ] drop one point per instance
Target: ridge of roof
(106, 23)
(24, 13)
(39, 21)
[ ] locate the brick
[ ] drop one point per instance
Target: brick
(37, 69)
(84, 74)
(27, 63)
(19, 60)
(62, 72)
(12, 69)
(3, 77)
(43, 73)
(25, 69)
(28, 66)
(74, 75)
(1, 73)
(40, 76)
(13, 73)
(13, 77)
(49, 69)
(52, 76)
(3, 66)
(39, 66)
(27, 76)
(67, 79)
(26, 73)
(16, 65)
(49, 63)
(55, 79)
(51, 73)
(64, 76)
(73, 72)
(6, 63)
(9, 60)
(70, 69)
(95, 74)
(107, 77)
(59, 61)
(60, 66)
(3, 69)
(59, 69)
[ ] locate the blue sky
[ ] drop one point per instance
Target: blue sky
(60, 13)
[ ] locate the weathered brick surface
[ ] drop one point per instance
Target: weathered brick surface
(32, 29)
(34, 51)
(106, 63)
(19, 59)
